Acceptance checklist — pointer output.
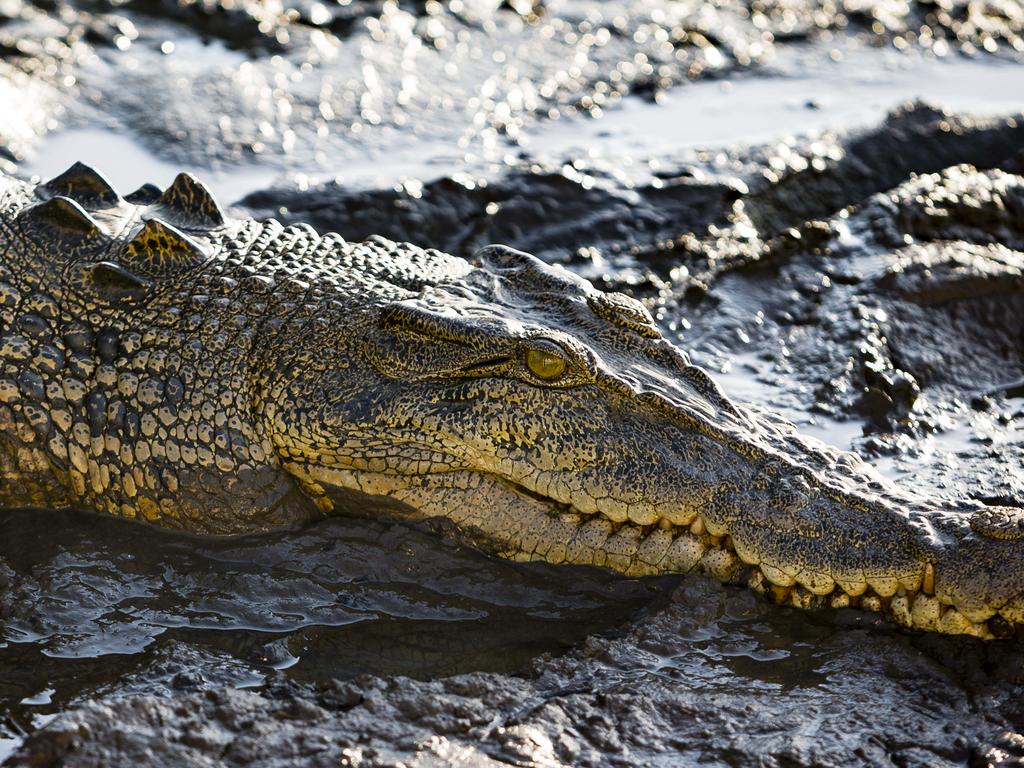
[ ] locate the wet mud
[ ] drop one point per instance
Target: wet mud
(716, 677)
(864, 277)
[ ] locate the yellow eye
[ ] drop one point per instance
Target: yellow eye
(545, 364)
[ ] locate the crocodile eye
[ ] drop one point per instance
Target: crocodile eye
(546, 362)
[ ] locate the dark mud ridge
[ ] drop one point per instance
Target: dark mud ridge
(868, 283)
(717, 677)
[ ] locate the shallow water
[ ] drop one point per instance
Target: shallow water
(804, 93)
(95, 606)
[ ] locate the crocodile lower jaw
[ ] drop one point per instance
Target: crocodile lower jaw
(557, 532)
(666, 548)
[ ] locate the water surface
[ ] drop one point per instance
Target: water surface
(95, 606)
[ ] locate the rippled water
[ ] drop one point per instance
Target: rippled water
(804, 93)
(97, 606)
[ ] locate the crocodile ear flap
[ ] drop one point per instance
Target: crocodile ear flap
(160, 249)
(526, 272)
(188, 203)
(408, 319)
(84, 185)
(115, 282)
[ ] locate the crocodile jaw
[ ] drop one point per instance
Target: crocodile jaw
(917, 591)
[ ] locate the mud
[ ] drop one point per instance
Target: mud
(860, 272)
(717, 678)
(660, 211)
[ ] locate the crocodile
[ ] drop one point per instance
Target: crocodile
(167, 362)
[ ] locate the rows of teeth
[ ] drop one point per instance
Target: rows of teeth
(667, 547)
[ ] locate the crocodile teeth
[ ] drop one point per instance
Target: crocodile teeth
(926, 612)
(977, 613)
(84, 185)
(954, 623)
(840, 600)
(928, 585)
(900, 607)
(872, 603)
(188, 203)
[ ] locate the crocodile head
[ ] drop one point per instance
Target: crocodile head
(552, 421)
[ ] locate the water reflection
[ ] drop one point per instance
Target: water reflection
(93, 605)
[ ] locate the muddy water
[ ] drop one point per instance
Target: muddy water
(364, 641)
(803, 92)
(94, 607)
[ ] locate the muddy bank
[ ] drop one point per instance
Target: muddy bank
(718, 678)
(660, 210)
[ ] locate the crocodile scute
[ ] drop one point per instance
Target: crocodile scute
(164, 361)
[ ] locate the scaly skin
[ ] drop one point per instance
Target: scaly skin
(164, 363)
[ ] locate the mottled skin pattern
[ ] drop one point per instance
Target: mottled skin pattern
(164, 363)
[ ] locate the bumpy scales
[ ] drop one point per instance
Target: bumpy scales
(161, 361)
